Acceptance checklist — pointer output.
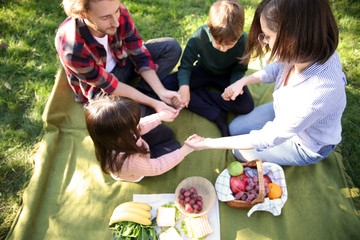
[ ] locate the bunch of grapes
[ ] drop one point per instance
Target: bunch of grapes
(190, 199)
(252, 190)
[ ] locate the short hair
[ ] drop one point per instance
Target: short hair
(73, 8)
(226, 20)
(112, 123)
(306, 30)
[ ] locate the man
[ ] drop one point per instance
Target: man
(101, 50)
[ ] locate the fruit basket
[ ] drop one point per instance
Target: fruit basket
(204, 188)
(243, 204)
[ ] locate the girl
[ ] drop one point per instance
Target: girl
(117, 130)
(303, 123)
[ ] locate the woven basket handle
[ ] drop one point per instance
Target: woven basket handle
(260, 199)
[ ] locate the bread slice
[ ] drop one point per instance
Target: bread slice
(198, 227)
(170, 234)
(165, 217)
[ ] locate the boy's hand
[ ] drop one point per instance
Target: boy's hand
(184, 92)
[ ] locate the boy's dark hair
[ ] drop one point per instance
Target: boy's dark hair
(306, 30)
(226, 21)
(112, 123)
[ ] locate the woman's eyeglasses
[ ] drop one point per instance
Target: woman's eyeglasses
(263, 39)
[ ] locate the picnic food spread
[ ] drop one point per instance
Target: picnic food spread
(133, 220)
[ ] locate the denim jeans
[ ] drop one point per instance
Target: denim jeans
(287, 153)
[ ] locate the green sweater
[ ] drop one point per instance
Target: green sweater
(211, 60)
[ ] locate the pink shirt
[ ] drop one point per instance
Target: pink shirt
(137, 166)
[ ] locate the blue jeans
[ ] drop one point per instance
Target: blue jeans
(287, 153)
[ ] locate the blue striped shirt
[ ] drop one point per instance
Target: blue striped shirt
(308, 109)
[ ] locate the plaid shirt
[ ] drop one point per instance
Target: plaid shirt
(84, 59)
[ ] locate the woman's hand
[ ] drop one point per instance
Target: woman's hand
(232, 91)
(196, 142)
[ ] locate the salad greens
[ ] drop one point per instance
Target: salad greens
(131, 231)
(183, 228)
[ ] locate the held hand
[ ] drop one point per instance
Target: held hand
(161, 106)
(169, 96)
(177, 104)
(184, 91)
(196, 142)
(168, 116)
(232, 91)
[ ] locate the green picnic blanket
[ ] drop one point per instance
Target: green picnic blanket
(69, 197)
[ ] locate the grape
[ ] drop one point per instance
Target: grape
(248, 188)
(239, 195)
(251, 196)
(255, 179)
(188, 208)
(257, 188)
(190, 199)
(244, 197)
(248, 200)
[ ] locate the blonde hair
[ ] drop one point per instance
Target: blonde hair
(226, 20)
(74, 8)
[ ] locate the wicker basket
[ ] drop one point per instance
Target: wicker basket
(243, 204)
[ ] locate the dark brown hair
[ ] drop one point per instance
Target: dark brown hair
(226, 21)
(112, 123)
(306, 30)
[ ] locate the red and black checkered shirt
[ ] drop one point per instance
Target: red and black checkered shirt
(84, 59)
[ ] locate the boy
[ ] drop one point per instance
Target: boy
(216, 48)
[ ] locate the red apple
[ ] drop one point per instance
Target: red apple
(267, 179)
(238, 183)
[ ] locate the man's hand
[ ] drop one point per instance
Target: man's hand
(170, 97)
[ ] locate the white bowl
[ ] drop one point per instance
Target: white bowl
(204, 188)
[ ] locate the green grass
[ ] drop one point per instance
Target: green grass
(28, 64)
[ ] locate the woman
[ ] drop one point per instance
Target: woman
(303, 123)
